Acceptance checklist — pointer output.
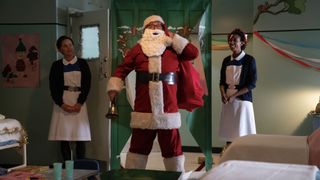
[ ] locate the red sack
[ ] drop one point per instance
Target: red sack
(190, 92)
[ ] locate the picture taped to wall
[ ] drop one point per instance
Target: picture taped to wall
(285, 14)
(20, 60)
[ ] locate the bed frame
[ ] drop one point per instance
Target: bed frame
(24, 154)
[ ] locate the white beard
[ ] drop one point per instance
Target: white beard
(154, 42)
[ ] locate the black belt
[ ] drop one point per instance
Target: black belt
(71, 88)
(145, 77)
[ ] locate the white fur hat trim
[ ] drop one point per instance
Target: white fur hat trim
(152, 18)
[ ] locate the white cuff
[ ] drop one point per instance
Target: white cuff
(175, 163)
(136, 161)
(115, 84)
(179, 43)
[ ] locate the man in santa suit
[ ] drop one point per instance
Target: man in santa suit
(155, 58)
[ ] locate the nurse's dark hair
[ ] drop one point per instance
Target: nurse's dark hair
(61, 39)
(241, 34)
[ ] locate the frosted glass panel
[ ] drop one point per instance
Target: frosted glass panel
(90, 42)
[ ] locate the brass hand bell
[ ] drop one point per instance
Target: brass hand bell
(112, 111)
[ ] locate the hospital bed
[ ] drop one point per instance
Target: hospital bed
(253, 170)
(13, 136)
(268, 157)
(229, 170)
(268, 148)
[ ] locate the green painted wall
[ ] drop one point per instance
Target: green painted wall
(32, 106)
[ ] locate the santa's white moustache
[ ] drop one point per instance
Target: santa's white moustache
(153, 33)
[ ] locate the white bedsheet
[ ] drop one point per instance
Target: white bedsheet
(10, 129)
(268, 148)
(252, 170)
(12, 135)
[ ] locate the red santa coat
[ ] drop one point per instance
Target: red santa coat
(144, 115)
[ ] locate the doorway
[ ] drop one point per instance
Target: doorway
(90, 32)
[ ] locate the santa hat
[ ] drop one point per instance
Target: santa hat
(152, 18)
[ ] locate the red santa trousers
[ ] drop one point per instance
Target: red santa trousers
(169, 141)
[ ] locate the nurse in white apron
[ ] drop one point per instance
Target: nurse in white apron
(69, 81)
(238, 77)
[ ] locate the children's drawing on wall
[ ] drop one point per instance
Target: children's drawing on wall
(279, 7)
(20, 60)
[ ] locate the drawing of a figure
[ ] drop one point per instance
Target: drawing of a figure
(21, 52)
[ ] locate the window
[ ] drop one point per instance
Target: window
(90, 42)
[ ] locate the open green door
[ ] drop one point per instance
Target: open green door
(186, 17)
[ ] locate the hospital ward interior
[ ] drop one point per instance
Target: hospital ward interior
(281, 36)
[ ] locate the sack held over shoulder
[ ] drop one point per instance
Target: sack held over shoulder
(190, 92)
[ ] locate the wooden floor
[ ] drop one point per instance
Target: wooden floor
(155, 160)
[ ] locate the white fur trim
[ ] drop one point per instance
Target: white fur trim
(152, 18)
(174, 163)
(154, 64)
(154, 42)
(115, 84)
(136, 161)
(156, 97)
(179, 43)
(155, 121)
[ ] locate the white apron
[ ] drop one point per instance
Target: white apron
(70, 126)
(237, 117)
